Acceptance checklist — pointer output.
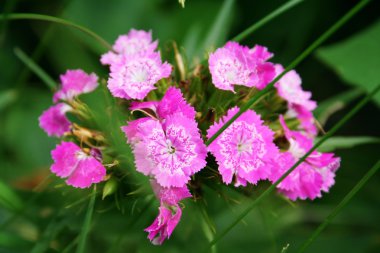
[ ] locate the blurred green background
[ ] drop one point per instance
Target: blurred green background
(343, 69)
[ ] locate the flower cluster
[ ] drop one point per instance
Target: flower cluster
(166, 134)
(80, 166)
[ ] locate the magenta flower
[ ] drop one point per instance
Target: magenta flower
(167, 145)
(172, 102)
(54, 121)
(135, 42)
(169, 212)
(244, 150)
(299, 101)
(170, 152)
(80, 169)
(133, 77)
(312, 177)
(74, 83)
(234, 64)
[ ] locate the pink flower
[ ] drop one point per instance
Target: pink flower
(80, 169)
(236, 64)
(169, 212)
(167, 145)
(135, 42)
(74, 83)
(299, 101)
(289, 88)
(170, 152)
(244, 149)
(172, 102)
(133, 77)
(54, 121)
(311, 177)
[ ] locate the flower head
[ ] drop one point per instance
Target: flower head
(169, 212)
(299, 101)
(168, 145)
(54, 121)
(80, 168)
(236, 64)
(170, 152)
(244, 149)
(311, 177)
(135, 42)
(134, 77)
(74, 83)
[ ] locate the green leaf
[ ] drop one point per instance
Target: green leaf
(356, 60)
(218, 31)
(87, 223)
(35, 68)
(9, 199)
(331, 105)
(7, 97)
(340, 142)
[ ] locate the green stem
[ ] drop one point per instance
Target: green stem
(340, 206)
(32, 16)
(292, 65)
(273, 186)
(283, 8)
(87, 223)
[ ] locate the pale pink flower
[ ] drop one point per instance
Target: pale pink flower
(169, 212)
(170, 151)
(244, 149)
(312, 177)
(81, 169)
(234, 64)
(74, 83)
(54, 121)
(135, 42)
(289, 88)
(133, 77)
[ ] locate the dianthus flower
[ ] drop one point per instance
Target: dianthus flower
(80, 168)
(299, 101)
(54, 121)
(244, 149)
(234, 64)
(133, 77)
(135, 42)
(74, 83)
(312, 177)
(169, 212)
(168, 145)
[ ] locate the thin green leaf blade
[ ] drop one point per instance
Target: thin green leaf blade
(35, 68)
(9, 199)
(218, 30)
(87, 223)
(342, 142)
(340, 206)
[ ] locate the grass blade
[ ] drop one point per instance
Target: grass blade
(33, 16)
(336, 127)
(340, 206)
(292, 65)
(87, 223)
(341, 142)
(338, 102)
(9, 199)
(35, 68)
(283, 8)
(215, 35)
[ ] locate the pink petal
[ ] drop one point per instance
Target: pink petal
(54, 121)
